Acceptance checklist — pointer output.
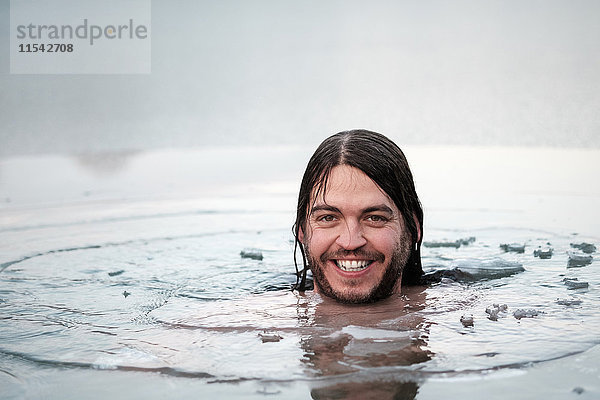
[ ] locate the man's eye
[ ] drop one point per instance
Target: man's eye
(377, 218)
(326, 218)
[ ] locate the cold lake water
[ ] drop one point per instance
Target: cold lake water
(167, 274)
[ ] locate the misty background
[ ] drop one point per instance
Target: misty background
(229, 73)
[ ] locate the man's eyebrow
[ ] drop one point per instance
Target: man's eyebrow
(380, 208)
(324, 207)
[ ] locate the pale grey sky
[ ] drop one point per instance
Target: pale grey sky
(249, 72)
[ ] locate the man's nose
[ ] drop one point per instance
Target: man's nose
(351, 236)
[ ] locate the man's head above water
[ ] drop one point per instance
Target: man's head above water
(359, 219)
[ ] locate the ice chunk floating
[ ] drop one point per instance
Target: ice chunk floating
(488, 268)
(254, 254)
(579, 259)
(513, 247)
(543, 252)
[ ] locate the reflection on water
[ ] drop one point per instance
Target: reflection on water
(367, 390)
(352, 339)
(362, 336)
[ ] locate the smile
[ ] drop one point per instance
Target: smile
(353, 265)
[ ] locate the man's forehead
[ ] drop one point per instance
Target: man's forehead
(351, 186)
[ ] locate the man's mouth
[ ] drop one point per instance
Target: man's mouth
(353, 265)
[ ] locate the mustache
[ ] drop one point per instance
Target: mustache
(369, 255)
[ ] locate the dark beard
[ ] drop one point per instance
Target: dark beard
(383, 289)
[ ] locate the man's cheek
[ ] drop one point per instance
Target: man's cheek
(315, 242)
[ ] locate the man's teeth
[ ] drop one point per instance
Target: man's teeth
(352, 265)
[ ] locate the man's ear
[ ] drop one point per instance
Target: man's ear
(418, 228)
(301, 235)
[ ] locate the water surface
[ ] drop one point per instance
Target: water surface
(137, 296)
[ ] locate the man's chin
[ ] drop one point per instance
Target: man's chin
(353, 298)
(348, 295)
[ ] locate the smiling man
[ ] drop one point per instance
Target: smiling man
(359, 219)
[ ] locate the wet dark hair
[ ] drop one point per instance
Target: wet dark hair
(382, 161)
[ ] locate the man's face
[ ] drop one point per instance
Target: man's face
(356, 239)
